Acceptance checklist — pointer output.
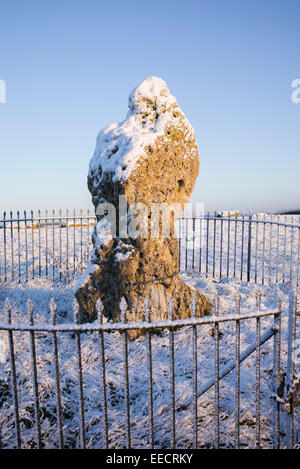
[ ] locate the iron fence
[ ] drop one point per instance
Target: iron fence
(255, 248)
(151, 412)
(53, 246)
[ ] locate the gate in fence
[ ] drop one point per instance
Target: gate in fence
(258, 248)
(89, 386)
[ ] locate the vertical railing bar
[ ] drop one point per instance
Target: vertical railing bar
(242, 247)
(249, 248)
(67, 239)
(81, 252)
(34, 377)
(277, 251)
(291, 366)
(147, 308)
(235, 240)
(39, 242)
(14, 376)
(80, 377)
(292, 241)
(186, 243)
(123, 308)
(12, 247)
(214, 245)
(60, 243)
(256, 248)
(200, 250)
(103, 371)
(284, 252)
(217, 377)
(258, 423)
(276, 375)
(4, 242)
(57, 377)
(207, 237)
(26, 247)
(194, 236)
(74, 242)
(19, 247)
(88, 230)
(46, 236)
(180, 240)
(195, 381)
(172, 374)
(228, 245)
(263, 253)
(1, 275)
(298, 260)
(32, 245)
(221, 246)
(270, 257)
(53, 246)
(237, 379)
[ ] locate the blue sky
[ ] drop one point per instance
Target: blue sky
(70, 65)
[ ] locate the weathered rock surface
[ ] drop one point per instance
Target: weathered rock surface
(151, 157)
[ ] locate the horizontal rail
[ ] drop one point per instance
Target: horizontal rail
(254, 220)
(30, 219)
(142, 325)
(243, 220)
(204, 217)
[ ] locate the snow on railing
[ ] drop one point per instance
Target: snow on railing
(52, 331)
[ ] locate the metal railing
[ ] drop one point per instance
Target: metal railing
(261, 249)
(53, 246)
(30, 428)
(257, 248)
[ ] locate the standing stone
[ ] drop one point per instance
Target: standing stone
(150, 158)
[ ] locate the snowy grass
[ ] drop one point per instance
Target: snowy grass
(41, 292)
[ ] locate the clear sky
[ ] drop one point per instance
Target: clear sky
(70, 65)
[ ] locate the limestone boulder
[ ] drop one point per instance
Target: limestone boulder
(149, 158)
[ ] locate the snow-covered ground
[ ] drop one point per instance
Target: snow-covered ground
(40, 291)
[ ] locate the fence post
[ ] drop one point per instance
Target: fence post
(249, 249)
(80, 377)
(217, 375)
(147, 309)
(99, 307)
(237, 373)
(14, 386)
(123, 309)
(172, 371)
(290, 368)
(277, 375)
(195, 380)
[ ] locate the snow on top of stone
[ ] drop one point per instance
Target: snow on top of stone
(120, 146)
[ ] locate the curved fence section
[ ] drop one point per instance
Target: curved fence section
(52, 246)
(71, 385)
(258, 248)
